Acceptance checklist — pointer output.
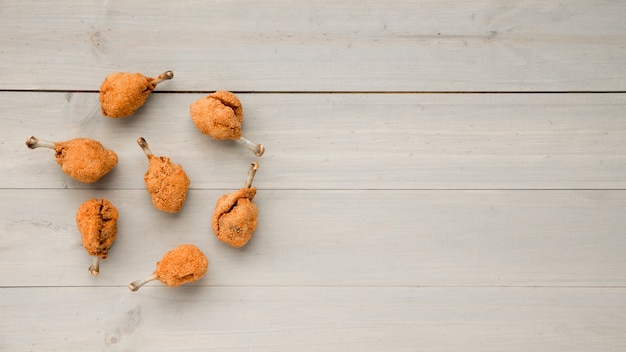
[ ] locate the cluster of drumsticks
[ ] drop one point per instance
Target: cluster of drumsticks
(218, 115)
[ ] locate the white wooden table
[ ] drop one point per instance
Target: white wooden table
(439, 176)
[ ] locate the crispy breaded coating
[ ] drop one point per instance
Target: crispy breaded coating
(97, 222)
(167, 183)
(235, 217)
(183, 264)
(219, 115)
(122, 93)
(84, 159)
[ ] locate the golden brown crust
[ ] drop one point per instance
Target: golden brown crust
(85, 159)
(235, 217)
(97, 222)
(122, 93)
(219, 115)
(167, 184)
(183, 264)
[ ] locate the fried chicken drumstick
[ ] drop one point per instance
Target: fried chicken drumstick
(183, 264)
(83, 159)
(220, 115)
(122, 93)
(235, 215)
(96, 220)
(166, 182)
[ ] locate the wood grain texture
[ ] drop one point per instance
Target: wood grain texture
(334, 238)
(346, 141)
(318, 46)
(397, 211)
(312, 319)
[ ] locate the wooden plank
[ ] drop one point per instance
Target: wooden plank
(404, 221)
(339, 238)
(240, 318)
(344, 141)
(344, 45)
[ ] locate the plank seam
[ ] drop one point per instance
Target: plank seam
(408, 92)
(618, 287)
(337, 189)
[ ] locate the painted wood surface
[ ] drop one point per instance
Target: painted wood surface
(350, 45)
(423, 188)
(313, 318)
(346, 141)
(335, 238)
